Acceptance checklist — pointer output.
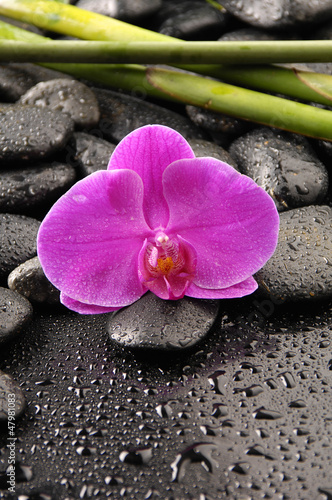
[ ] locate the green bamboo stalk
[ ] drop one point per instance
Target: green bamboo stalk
(199, 91)
(70, 20)
(165, 53)
(126, 77)
(246, 104)
(79, 23)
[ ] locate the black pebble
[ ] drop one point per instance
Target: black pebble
(24, 190)
(67, 96)
(29, 280)
(121, 114)
(18, 241)
(285, 165)
(29, 133)
(89, 153)
(301, 267)
(15, 313)
(163, 324)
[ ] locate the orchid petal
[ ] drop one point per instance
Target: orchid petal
(82, 308)
(89, 242)
(148, 151)
(246, 287)
(230, 221)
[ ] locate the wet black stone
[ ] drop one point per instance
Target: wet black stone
(18, 241)
(121, 114)
(191, 20)
(11, 399)
(17, 78)
(15, 313)
(13, 83)
(301, 267)
(68, 96)
(278, 13)
(223, 129)
(125, 10)
(89, 153)
(162, 324)
(285, 165)
(206, 148)
(29, 133)
(29, 280)
(27, 189)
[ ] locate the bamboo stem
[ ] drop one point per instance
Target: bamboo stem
(196, 90)
(243, 103)
(70, 20)
(166, 53)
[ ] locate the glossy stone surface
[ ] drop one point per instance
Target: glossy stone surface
(17, 78)
(207, 148)
(89, 153)
(285, 165)
(15, 314)
(34, 188)
(301, 267)
(191, 20)
(153, 323)
(237, 413)
(12, 400)
(278, 13)
(30, 133)
(121, 114)
(68, 96)
(29, 280)
(224, 129)
(18, 241)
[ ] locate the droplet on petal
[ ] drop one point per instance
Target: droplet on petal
(166, 265)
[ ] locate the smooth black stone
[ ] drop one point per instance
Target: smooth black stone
(121, 114)
(68, 96)
(25, 189)
(279, 13)
(223, 129)
(29, 280)
(301, 267)
(29, 133)
(192, 20)
(11, 399)
(17, 78)
(154, 323)
(18, 241)
(125, 10)
(206, 148)
(15, 314)
(285, 165)
(89, 153)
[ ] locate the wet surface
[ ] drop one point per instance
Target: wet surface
(244, 414)
(235, 402)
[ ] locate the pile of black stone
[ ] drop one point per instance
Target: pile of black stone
(142, 404)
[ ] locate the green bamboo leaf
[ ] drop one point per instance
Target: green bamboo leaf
(318, 82)
(243, 103)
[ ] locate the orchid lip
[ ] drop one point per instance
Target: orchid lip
(167, 265)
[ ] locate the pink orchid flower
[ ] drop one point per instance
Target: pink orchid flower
(157, 219)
